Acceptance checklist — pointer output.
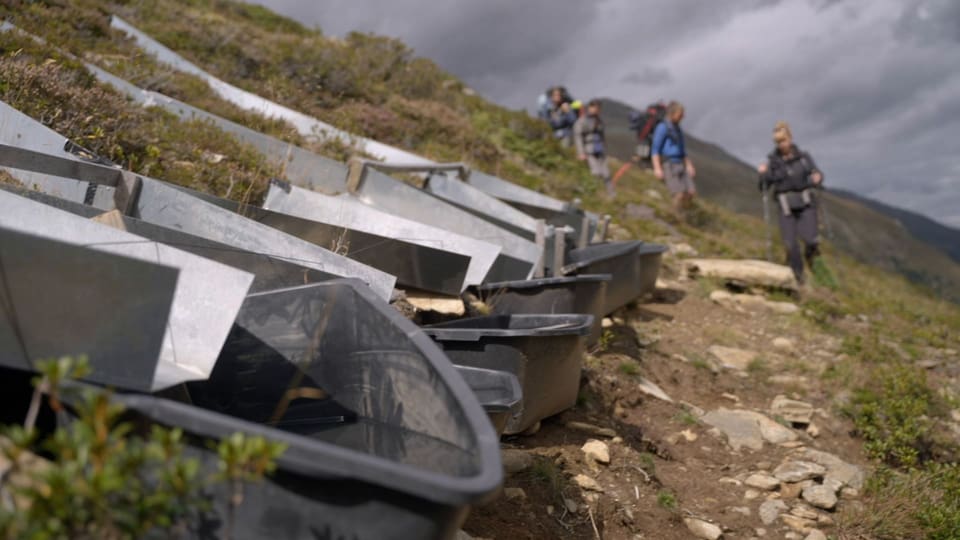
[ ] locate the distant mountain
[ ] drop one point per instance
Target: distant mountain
(895, 239)
(930, 231)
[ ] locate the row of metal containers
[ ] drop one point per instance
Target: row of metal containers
(208, 315)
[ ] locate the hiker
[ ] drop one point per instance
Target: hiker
(588, 134)
(792, 175)
(670, 161)
(559, 113)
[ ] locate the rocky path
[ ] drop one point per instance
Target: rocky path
(701, 416)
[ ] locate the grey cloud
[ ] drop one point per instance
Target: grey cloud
(864, 96)
(930, 21)
(648, 76)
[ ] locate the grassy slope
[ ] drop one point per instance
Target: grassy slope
(867, 231)
(259, 51)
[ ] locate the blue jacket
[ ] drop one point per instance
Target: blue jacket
(668, 142)
(561, 122)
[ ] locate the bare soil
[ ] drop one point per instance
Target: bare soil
(666, 464)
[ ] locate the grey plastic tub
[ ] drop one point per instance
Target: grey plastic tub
(60, 299)
(543, 351)
(498, 391)
(634, 266)
(583, 294)
(386, 440)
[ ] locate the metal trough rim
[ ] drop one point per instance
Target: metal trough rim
(543, 282)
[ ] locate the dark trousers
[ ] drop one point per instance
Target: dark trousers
(800, 225)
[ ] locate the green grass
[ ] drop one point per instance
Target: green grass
(630, 368)
(699, 362)
(606, 340)
(759, 367)
(549, 476)
(687, 418)
(667, 500)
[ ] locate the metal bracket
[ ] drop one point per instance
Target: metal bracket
(584, 233)
(461, 169)
(604, 228)
(541, 240)
(357, 172)
(126, 183)
(559, 244)
(127, 193)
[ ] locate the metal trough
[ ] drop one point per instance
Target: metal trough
(308, 126)
(24, 144)
(518, 256)
(543, 351)
(314, 206)
(415, 253)
(634, 266)
(303, 168)
(59, 299)
(385, 439)
(584, 293)
(540, 206)
(208, 294)
(269, 273)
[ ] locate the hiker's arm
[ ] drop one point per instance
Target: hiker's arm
(659, 134)
(816, 175)
(691, 170)
(657, 167)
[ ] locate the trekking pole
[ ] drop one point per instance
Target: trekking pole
(766, 219)
(621, 171)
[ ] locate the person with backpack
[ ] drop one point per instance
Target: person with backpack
(668, 152)
(590, 139)
(792, 176)
(559, 113)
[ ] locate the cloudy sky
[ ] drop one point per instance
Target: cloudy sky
(871, 87)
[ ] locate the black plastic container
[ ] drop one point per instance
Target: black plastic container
(498, 391)
(634, 266)
(543, 351)
(386, 440)
(582, 294)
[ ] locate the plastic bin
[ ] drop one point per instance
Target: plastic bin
(571, 294)
(543, 351)
(634, 266)
(386, 440)
(498, 391)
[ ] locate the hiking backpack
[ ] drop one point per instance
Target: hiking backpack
(643, 122)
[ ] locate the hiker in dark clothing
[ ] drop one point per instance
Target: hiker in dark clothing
(590, 138)
(560, 115)
(792, 176)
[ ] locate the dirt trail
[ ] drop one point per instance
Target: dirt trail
(671, 474)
